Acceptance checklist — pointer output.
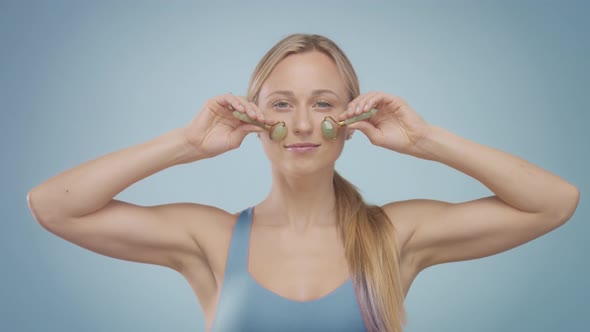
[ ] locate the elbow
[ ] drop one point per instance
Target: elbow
(31, 206)
(570, 200)
(43, 220)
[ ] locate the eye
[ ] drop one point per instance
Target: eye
(280, 104)
(283, 105)
(324, 104)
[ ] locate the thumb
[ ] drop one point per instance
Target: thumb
(365, 127)
(238, 134)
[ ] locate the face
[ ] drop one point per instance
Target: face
(301, 91)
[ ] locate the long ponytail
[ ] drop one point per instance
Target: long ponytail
(373, 258)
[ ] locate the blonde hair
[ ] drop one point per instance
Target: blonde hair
(366, 231)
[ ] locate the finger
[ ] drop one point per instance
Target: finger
(351, 107)
(252, 110)
(236, 103)
(228, 101)
(360, 117)
(245, 106)
(249, 128)
(346, 114)
(225, 104)
(342, 116)
(355, 107)
(362, 103)
(239, 134)
(372, 101)
(258, 111)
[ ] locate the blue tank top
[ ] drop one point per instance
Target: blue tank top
(246, 306)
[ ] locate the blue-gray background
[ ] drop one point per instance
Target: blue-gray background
(80, 79)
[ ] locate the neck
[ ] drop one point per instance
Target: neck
(301, 202)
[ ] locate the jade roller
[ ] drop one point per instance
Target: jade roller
(277, 131)
(330, 126)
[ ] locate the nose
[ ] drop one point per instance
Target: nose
(302, 122)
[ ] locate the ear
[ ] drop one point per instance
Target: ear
(349, 132)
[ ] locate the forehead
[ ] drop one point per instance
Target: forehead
(303, 73)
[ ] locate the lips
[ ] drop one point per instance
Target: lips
(302, 145)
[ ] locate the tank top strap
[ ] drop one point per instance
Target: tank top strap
(237, 260)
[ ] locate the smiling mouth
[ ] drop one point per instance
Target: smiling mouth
(301, 147)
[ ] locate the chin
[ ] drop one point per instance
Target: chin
(307, 168)
(299, 166)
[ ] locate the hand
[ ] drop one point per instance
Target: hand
(215, 130)
(396, 126)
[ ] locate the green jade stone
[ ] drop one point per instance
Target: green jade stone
(243, 117)
(328, 129)
(278, 131)
(359, 117)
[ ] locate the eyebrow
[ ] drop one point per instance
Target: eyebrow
(313, 93)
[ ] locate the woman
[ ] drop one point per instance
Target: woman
(312, 255)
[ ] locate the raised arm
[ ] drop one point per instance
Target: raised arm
(78, 205)
(527, 202)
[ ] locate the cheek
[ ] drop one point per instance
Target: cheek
(270, 147)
